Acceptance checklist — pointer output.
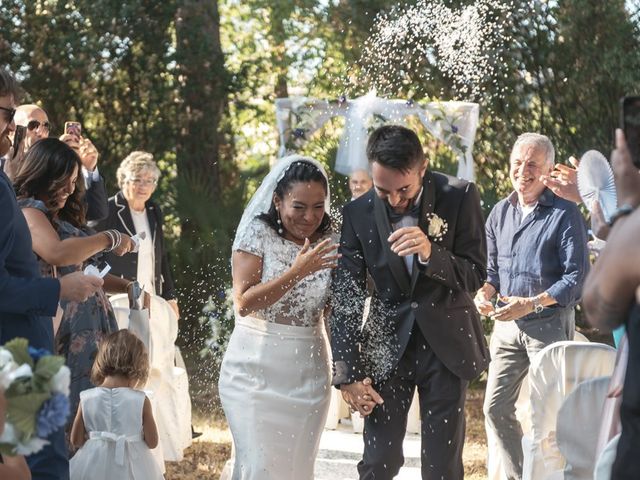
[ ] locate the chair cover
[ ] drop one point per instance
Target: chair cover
(610, 425)
(554, 373)
(167, 381)
(605, 461)
(523, 414)
(577, 427)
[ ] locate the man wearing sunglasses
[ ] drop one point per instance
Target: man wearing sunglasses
(28, 301)
(36, 121)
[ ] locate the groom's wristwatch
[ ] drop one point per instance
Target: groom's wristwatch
(537, 306)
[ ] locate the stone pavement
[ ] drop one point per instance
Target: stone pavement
(341, 450)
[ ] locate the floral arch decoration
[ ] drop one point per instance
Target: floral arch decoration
(454, 123)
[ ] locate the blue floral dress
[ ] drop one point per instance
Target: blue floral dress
(83, 324)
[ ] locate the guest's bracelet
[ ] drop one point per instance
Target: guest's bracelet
(115, 238)
(112, 240)
(622, 211)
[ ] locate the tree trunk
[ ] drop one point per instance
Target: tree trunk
(201, 81)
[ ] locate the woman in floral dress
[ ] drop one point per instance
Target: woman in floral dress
(50, 192)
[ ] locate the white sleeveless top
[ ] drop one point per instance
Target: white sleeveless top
(116, 448)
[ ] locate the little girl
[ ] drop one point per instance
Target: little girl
(114, 420)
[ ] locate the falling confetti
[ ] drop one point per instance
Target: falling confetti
(430, 39)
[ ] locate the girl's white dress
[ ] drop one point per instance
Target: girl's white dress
(274, 380)
(116, 447)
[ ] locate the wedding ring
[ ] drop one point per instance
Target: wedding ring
(415, 242)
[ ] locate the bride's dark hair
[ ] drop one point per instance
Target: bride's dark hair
(299, 171)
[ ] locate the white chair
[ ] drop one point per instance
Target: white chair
(167, 378)
(523, 414)
(605, 461)
(610, 425)
(554, 373)
(577, 427)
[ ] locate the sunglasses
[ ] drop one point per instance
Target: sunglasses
(12, 113)
(35, 124)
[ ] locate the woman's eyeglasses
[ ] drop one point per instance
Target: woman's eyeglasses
(35, 124)
(11, 113)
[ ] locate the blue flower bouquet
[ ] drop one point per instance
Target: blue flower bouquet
(36, 387)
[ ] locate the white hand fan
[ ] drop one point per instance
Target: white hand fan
(595, 183)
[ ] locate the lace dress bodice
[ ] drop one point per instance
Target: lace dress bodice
(304, 303)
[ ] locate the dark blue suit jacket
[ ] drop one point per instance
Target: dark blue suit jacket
(27, 303)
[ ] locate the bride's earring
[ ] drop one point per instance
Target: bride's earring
(280, 231)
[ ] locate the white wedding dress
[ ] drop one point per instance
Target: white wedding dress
(275, 378)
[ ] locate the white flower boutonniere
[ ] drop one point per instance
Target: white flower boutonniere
(437, 227)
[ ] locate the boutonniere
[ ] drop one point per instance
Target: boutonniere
(437, 227)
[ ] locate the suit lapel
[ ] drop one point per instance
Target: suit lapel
(124, 214)
(427, 205)
(396, 263)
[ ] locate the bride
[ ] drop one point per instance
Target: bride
(275, 380)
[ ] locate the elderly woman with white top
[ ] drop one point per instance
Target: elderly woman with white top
(132, 211)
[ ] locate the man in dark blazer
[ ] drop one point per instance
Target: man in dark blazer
(420, 237)
(28, 302)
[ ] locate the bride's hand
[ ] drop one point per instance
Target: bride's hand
(310, 260)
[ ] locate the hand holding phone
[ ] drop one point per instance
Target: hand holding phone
(73, 128)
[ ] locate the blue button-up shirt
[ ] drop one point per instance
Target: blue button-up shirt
(545, 252)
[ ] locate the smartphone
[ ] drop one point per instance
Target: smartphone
(18, 138)
(73, 128)
(630, 124)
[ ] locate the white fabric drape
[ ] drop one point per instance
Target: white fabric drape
(454, 123)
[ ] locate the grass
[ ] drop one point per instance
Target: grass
(208, 454)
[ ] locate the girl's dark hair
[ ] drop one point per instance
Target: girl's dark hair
(44, 171)
(300, 171)
(395, 146)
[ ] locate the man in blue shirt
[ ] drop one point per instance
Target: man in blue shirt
(537, 263)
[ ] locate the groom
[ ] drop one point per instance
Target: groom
(419, 235)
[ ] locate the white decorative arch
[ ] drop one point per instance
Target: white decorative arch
(454, 123)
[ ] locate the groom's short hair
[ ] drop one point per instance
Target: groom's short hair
(395, 146)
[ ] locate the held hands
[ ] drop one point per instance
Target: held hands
(361, 396)
(311, 260)
(516, 307)
(410, 240)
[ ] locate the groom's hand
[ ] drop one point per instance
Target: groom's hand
(361, 396)
(410, 240)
